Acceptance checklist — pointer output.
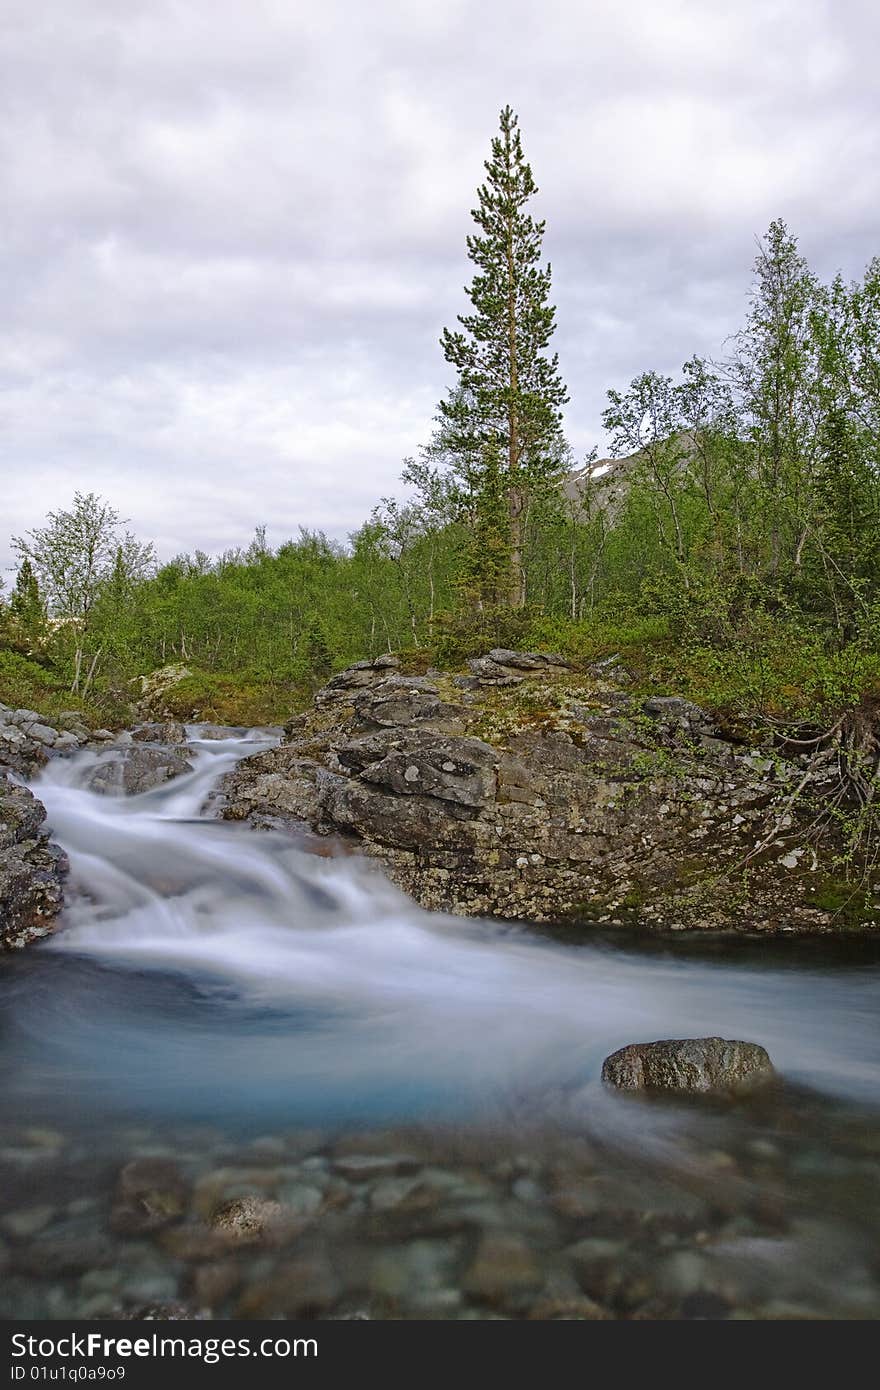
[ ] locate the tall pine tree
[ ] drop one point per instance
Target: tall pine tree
(506, 406)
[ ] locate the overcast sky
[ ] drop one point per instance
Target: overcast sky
(232, 230)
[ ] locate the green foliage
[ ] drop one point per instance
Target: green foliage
(243, 698)
(461, 634)
(78, 552)
(19, 673)
(776, 668)
(41, 686)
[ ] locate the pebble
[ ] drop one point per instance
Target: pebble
(246, 1220)
(433, 1229)
(527, 1190)
(26, 1222)
(361, 1167)
(301, 1200)
(681, 1273)
(414, 1269)
(268, 1146)
(305, 1286)
(150, 1288)
(44, 1138)
(100, 1281)
(214, 1282)
(503, 1264)
(80, 1205)
(391, 1192)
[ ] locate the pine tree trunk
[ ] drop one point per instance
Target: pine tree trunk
(517, 597)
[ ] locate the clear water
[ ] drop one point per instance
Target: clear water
(213, 986)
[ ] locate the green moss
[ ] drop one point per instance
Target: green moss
(851, 905)
(635, 896)
(690, 871)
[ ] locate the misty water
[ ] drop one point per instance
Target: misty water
(271, 1020)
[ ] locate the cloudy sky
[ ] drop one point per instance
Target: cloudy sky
(232, 230)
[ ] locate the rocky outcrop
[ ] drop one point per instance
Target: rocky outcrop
(528, 789)
(695, 1065)
(31, 870)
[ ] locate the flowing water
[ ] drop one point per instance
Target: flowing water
(419, 1093)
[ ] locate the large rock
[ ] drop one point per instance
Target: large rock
(695, 1065)
(502, 667)
(169, 731)
(130, 771)
(530, 790)
(398, 701)
(340, 688)
(422, 763)
(31, 870)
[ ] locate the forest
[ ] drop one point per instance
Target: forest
(728, 550)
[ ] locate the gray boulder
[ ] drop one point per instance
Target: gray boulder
(423, 763)
(340, 688)
(73, 722)
(527, 661)
(137, 769)
(160, 687)
(31, 870)
(400, 700)
(42, 733)
(674, 714)
(19, 753)
(502, 667)
(168, 732)
(693, 1065)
